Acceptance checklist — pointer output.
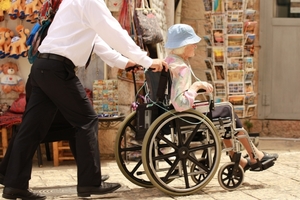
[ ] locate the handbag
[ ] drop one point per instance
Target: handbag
(146, 24)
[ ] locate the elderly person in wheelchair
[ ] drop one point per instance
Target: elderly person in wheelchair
(181, 44)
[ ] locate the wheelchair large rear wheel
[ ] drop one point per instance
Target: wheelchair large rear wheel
(181, 152)
(128, 152)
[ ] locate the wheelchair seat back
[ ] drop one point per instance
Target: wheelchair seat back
(147, 112)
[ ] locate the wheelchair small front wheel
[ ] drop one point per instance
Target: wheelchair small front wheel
(230, 178)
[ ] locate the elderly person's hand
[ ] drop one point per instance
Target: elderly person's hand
(158, 65)
(201, 85)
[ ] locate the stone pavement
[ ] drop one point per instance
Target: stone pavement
(282, 181)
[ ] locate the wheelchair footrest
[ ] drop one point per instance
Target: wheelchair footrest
(260, 166)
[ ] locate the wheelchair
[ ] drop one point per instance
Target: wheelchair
(177, 152)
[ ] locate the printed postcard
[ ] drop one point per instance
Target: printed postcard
(249, 87)
(235, 88)
(250, 27)
(209, 52)
(250, 4)
(250, 15)
(218, 21)
(237, 100)
(233, 5)
(207, 39)
(207, 5)
(220, 88)
(250, 38)
(239, 110)
(249, 50)
(208, 63)
(235, 75)
(235, 40)
(207, 28)
(209, 76)
(235, 52)
(248, 63)
(251, 109)
(219, 72)
(218, 54)
(235, 28)
(235, 63)
(218, 37)
(250, 99)
(249, 74)
(235, 16)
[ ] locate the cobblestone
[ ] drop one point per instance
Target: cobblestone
(282, 181)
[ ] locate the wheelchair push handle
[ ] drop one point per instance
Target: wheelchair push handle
(137, 66)
(132, 68)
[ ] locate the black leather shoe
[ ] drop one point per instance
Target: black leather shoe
(103, 177)
(103, 189)
(13, 193)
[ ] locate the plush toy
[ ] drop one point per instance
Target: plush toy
(10, 81)
(18, 45)
(32, 8)
(5, 39)
(16, 9)
(4, 6)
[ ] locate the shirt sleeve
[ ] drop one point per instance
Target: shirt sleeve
(181, 98)
(109, 30)
(109, 55)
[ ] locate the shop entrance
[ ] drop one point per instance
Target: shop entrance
(279, 60)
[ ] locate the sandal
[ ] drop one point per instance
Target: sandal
(269, 156)
(266, 162)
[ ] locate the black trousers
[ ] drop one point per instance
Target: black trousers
(55, 87)
(60, 129)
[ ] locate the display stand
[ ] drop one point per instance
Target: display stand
(230, 36)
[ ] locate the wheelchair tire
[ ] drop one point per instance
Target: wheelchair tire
(185, 163)
(228, 179)
(128, 153)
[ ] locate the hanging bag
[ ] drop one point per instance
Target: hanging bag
(146, 24)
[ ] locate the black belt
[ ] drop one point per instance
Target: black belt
(52, 56)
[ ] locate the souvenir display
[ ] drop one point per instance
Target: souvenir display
(230, 36)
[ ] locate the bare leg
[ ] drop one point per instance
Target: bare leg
(245, 142)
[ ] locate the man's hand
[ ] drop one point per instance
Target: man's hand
(132, 66)
(158, 65)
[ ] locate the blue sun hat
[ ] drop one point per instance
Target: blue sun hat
(180, 35)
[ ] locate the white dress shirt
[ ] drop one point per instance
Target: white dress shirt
(79, 24)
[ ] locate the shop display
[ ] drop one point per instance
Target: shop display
(105, 98)
(230, 36)
(10, 80)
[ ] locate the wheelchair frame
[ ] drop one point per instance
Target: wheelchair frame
(180, 152)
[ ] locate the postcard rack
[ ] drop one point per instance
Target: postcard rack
(230, 32)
